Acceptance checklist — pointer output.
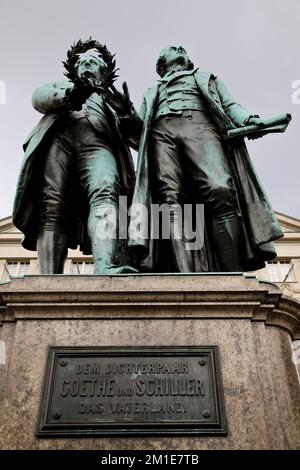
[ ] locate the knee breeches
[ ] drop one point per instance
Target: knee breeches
(186, 155)
(76, 152)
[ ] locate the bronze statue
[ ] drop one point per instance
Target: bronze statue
(184, 158)
(76, 166)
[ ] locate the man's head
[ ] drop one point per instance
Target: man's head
(170, 56)
(90, 66)
(92, 61)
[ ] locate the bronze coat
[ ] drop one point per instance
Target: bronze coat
(259, 223)
(25, 210)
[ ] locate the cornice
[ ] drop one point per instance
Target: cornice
(201, 296)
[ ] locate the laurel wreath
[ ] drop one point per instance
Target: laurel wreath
(108, 75)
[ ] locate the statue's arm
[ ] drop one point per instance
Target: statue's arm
(132, 125)
(235, 111)
(50, 98)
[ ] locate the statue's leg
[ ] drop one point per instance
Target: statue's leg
(52, 251)
(54, 208)
(209, 169)
(180, 257)
(166, 177)
(99, 175)
(102, 230)
(226, 234)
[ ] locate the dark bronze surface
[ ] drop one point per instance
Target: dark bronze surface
(132, 390)
(77, 164)
(184, 159)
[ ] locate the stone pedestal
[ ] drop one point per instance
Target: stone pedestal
(250, 321)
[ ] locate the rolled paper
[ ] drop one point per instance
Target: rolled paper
(275, 124)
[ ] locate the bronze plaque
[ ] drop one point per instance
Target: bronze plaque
(132, 391)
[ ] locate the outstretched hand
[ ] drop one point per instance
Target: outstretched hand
(119, 101)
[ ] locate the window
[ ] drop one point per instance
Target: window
(82, 267)
(15, 269)
(23, 269)
(281, 271)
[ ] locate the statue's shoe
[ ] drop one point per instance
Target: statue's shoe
(114, 269)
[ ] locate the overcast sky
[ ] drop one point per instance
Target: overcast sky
(254, 46)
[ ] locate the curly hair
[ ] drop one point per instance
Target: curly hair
(161, 67)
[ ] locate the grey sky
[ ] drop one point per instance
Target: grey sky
(254, 46)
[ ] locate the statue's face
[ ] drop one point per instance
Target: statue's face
(90, 67)
(176, 55)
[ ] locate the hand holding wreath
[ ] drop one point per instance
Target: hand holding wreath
(76, 96)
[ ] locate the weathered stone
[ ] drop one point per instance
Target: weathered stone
(249, 321)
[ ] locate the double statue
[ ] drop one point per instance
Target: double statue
(78, 179)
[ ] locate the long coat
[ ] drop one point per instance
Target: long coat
(259, 223)
(47, 100)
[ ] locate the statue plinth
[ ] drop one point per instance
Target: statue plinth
(251, 322)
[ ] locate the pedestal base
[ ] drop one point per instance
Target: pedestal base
(250, 321)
